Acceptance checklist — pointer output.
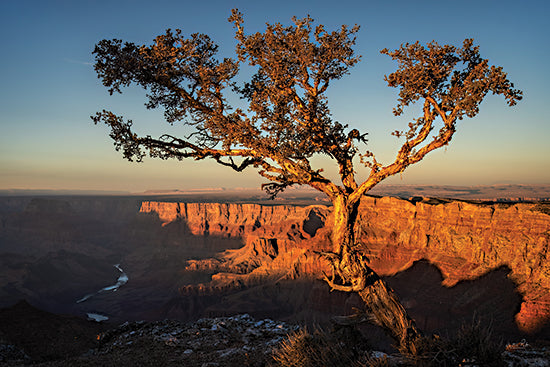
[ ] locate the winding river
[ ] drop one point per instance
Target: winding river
(122, 279)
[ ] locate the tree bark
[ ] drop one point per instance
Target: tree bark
(345, 216)
(352, 274)
(389, 313)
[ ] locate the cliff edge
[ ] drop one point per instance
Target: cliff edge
(464, 240)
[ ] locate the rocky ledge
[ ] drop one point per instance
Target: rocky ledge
(238, 340)
(222, 341)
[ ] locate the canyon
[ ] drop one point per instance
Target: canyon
(448, 260)
(464, 241)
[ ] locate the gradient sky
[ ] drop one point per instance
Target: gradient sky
(49, 88)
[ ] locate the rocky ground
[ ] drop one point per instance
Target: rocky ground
(32, 337)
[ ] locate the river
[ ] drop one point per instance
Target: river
(122, 279)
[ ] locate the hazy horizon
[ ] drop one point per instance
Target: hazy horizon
(505, 192)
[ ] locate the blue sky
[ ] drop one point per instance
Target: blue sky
(49, 88)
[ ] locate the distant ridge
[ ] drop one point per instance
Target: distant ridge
(503, 192)
(59, 192)
(183, 192)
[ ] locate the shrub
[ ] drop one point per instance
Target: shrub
(304, 349)
(472, 345)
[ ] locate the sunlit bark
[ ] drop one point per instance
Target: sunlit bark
(288, 121)
(350, 273)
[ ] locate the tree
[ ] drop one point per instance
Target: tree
(288, 120)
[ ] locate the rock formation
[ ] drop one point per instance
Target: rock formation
(464, 240)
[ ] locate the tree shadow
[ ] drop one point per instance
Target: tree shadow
(491, 299)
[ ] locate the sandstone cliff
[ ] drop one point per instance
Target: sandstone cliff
(464, 240)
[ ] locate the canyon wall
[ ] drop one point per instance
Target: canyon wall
(464, 241)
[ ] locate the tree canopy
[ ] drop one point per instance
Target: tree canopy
(288, 119)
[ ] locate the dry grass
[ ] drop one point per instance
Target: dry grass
(320, 348)
(473, 344)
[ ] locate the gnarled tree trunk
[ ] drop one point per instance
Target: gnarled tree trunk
(352, 274)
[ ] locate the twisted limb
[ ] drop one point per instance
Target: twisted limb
(350, 273)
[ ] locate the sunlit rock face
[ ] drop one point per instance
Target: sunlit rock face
(277, 238)
(228, 220)
(465, 241)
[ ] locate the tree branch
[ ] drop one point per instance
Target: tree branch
(406, 155)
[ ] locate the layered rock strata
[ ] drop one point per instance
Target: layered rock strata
(464, 240)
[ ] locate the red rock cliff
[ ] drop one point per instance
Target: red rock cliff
(463, 240)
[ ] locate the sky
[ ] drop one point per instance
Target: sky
(49, 88)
